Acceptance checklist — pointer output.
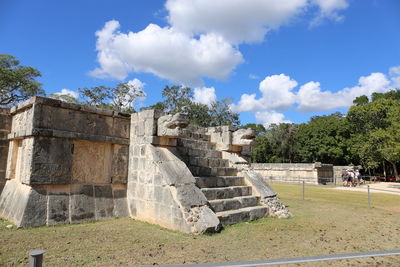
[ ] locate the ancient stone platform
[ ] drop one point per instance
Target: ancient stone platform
(69, 163)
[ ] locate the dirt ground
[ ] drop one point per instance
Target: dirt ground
(326, 222)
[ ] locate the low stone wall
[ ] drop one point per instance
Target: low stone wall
(5, 127)
(66, 163)
(311, 173)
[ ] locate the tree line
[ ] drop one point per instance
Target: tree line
(368, 135)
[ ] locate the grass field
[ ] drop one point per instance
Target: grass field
(326, 222)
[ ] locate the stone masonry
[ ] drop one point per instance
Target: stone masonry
(310, 173)
(70, 163)
(66, 163)
(5, 127)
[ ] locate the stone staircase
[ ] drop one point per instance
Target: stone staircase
(228, 195)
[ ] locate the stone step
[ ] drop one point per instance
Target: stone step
(234, 203)
(235, 216)
(208, 162)
(195, 144)
(217, 171)
(199, 152)
(219, 181)
(226, 192)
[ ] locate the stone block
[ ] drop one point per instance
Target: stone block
(35, 213)
(57, 209)
(51, 161)
(149, 192)
(120, 203)
(132, 207)
(121, 127)
(119, 165)
(76, 121)
(91, 162)
(189, 195)
(22, 122)
(13, 201)
(82, 207)
(256, 181)
(172, 125)
(150, 125)
(163, 213)
(207, 222)
(104, 203)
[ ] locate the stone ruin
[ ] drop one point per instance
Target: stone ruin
(70, 163)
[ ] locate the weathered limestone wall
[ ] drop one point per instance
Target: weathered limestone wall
(311, 173)
(161, 188)
(66, 163)
(5, 127)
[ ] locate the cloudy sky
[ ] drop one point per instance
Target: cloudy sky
(279, 60)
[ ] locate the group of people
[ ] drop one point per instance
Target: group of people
(351, 177)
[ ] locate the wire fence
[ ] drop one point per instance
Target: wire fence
(302, 181)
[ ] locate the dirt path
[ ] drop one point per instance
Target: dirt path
(386, 188)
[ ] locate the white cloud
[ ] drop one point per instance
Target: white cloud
(68, 92)
(202, 39)
(395, 76)
(269, 117)
(136, 83)
(164, 52)
(276, 92)
(237, 21)
(278, 95)
(253, 76)
(311, 98)
(329, 9)
(205, 95)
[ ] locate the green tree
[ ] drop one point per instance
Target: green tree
(282, 140)
(221, 113)
(119, 98)
(180, 99)
(262, 152)
(199, 114)
(277, 145)
(65, 98)
(177, 98)
(123, 96)
(259, 129)
(361, 100)
(376, 139)
(96, 96)
(157, 106)
(17, 83)
(324, 139)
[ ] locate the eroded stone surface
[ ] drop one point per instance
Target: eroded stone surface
(66, 163)
(243, 137)
(5, 128)
(172, 125)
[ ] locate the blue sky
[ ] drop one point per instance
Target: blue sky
(278, 60)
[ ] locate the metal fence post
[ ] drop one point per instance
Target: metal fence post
(303, 190)
(369, 197)
(36, 258)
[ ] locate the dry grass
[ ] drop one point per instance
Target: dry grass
(327, 222)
